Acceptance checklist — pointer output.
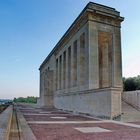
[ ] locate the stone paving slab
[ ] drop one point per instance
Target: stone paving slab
(42, 114)
(92, 129)
(5, 123)
(49, 118)
(46, 128)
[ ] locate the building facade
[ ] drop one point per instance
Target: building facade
(83, 73)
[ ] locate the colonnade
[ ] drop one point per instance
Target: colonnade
(71, 65)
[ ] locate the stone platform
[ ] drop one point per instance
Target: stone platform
(53, 124)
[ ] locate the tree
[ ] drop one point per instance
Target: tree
(131, 83)
(138, 82)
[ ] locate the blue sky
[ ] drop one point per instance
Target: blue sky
(29, 29)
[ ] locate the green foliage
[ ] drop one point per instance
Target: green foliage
(3, 107)
(26, 100)
(131, 83)
(138, 82)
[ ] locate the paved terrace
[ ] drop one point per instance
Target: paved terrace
(52, 124)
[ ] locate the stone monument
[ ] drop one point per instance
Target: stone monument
(83, 72)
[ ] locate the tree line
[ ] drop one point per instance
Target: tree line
(29, 99)
(131, 83)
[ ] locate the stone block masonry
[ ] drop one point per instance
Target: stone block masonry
(83, 73)
(132, 98)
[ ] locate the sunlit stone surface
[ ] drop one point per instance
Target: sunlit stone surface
(83, 73)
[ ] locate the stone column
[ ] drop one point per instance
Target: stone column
(64, 70)
(72, 66)
(93, 56)
(78, 62)
(40, 84)
(66, 74)
(86, 59)
(43, 87)
(56, 75)
(62, 60)
(60, 72)
(75, 63)
(58, 83)
(117, 65)
(82, 59)
(43, 83)
(69, 67)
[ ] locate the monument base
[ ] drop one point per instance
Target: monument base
(102, 103)
(46, 101)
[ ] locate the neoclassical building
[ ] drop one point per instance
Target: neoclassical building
(83, 72)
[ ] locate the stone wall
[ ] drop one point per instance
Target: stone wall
(99, 103)
(132, 97)
(5, 123)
